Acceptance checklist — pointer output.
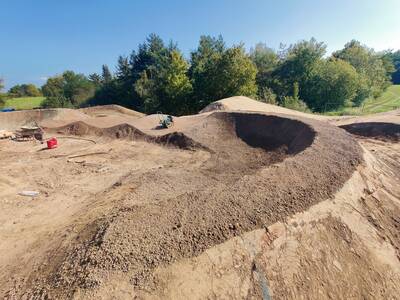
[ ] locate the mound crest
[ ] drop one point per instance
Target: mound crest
(127, 131)
(14, 120)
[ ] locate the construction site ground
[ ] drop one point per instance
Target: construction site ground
(244, 200)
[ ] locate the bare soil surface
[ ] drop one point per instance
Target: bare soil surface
(378, 130)
(127, 210)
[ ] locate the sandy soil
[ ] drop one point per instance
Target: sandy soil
(227, 204)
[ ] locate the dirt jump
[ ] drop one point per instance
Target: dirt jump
(244, 200)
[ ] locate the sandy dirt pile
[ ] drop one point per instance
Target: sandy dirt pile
(112, 109)
(241, 103)
(230, 204)
(16, 119)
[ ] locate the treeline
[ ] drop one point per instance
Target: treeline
(157, 77)
(18, 91)
(24, 90)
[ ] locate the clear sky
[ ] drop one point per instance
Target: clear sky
(40, 38)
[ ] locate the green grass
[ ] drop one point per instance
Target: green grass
(389, 100)
(24, 102)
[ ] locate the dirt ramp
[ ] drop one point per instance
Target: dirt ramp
(127, 131)
(379, 130)
(241, 103)
(112, 109)
(16, 119)
(177, 139)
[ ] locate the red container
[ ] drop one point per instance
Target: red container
(52, 143)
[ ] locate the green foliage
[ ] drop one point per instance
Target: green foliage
(219, 72)
(166, 86)
(71, 87)
(267, 95)
(396, 62)
(333, 83)
(387, 58)
(203, 61)
(53, 87)
(236, 74)
(394, 58)
(176, 84)
(59, 101)
(296, 65)
(266, 60)
(157, 77)
(368, 64)
(294, 102)
(24, 90)
(106, 75)
(95, 79)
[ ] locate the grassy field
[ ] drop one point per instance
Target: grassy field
(24, 103)
(389, 100)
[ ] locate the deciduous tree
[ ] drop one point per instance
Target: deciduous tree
(219, 72)
(296, 65)
(266, 61)
(333, 83)
(368, 64)
(75, 88)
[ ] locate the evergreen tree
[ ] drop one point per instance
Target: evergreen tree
(106, 74)
(95, 79)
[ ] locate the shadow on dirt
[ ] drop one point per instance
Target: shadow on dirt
(378, 130)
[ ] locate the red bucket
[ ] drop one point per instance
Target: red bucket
(52, 143)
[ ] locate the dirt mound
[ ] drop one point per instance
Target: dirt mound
(127, 131)
(241, 103)
(244, 143)
(16, 119)
(259, 169)
(379, 130)
(112, 109)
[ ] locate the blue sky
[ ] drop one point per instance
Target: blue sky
(40, 38)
